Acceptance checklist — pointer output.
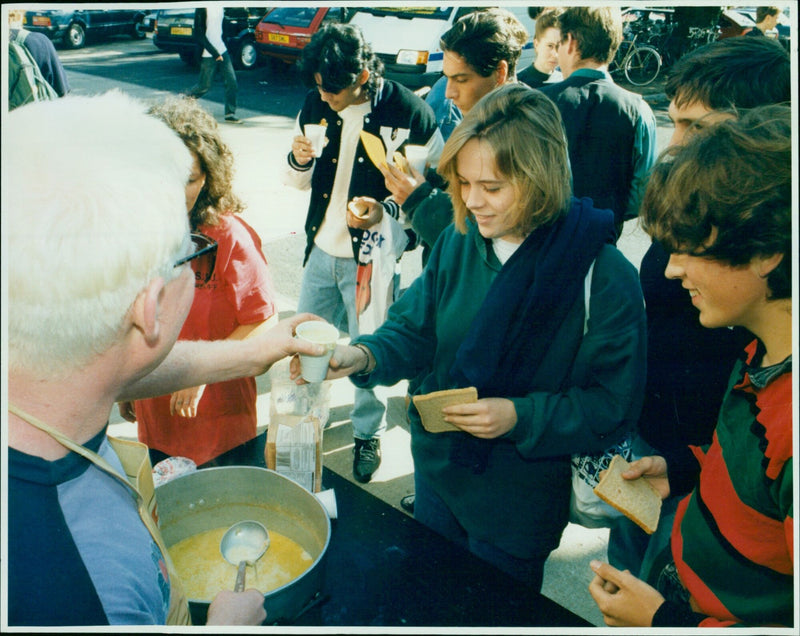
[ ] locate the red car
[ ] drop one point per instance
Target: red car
(283, 32)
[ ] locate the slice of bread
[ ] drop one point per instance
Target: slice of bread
(430, 407)
(636, 499)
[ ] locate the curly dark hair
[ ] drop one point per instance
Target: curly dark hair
(339, 52)
(727, 194)
(200, 132)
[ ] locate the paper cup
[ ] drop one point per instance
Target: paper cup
(315, 368)
(416, 157)
(316, 133)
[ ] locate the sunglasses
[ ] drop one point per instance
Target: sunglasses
(202, 259)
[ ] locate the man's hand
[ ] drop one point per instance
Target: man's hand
(302, 150)
(624, 600)
(400, 184)
(487, 418)
(237, 608)
(370, 212)
(185, 401)
(654, 469)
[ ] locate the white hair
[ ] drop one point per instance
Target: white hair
(93, 208)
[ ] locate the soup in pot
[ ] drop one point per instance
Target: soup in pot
(204, 572)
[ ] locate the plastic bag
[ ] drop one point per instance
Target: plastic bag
(298, 414)
(381, 247)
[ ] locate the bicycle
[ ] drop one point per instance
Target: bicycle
(640, 63)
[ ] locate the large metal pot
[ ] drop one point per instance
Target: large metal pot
(216, 497)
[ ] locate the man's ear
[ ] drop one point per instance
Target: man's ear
(146, 310)
(571, 43)
(502, 72)
(363, 76)
(766, 264)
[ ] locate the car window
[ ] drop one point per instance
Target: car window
(291, 16)
(335, 14)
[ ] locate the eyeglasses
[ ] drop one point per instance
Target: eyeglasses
(203, 258)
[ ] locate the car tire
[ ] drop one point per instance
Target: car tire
(76, 36)
(139, 32)
(246, 57)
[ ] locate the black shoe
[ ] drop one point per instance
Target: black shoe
(232, 119)
(366, 458)
(407, 503)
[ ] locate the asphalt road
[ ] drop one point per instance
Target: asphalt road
(269, 98)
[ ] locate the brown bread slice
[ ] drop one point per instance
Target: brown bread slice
(430, 407)
(636, 499)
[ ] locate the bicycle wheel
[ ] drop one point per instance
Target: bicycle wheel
(643, 66)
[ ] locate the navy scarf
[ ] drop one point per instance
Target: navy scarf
(522, 311)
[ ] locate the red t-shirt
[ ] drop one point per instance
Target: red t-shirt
(239, 293)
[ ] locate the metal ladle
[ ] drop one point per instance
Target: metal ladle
(244, 542)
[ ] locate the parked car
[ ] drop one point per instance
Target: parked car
(73, 28)
(174, 33)
(284, 32)
(734, 23)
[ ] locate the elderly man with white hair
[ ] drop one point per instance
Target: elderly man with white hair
(99, 283)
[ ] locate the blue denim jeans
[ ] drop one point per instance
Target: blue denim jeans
(208, 67)
(329, 291)
(430, 510)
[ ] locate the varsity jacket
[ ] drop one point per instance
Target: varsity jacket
(733, 535)
(397, 117)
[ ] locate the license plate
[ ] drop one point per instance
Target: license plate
(39, 20)
(180, 31)
(278, 37)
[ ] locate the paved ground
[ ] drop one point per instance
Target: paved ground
(277, 213)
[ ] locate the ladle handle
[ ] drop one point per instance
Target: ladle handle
(240, 574)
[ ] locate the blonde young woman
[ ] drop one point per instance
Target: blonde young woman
(500, 306)
(204, 421)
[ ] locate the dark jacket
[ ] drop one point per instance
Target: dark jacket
(398, 116)
(600, 120)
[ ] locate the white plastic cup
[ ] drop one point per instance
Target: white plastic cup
(417, 156)
(328, 500)
(315, 368)
(316, 133)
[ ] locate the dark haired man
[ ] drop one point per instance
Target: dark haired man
(481, 51)
(350, 95)
(611, 132)
(208, 31)
(685, 385)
